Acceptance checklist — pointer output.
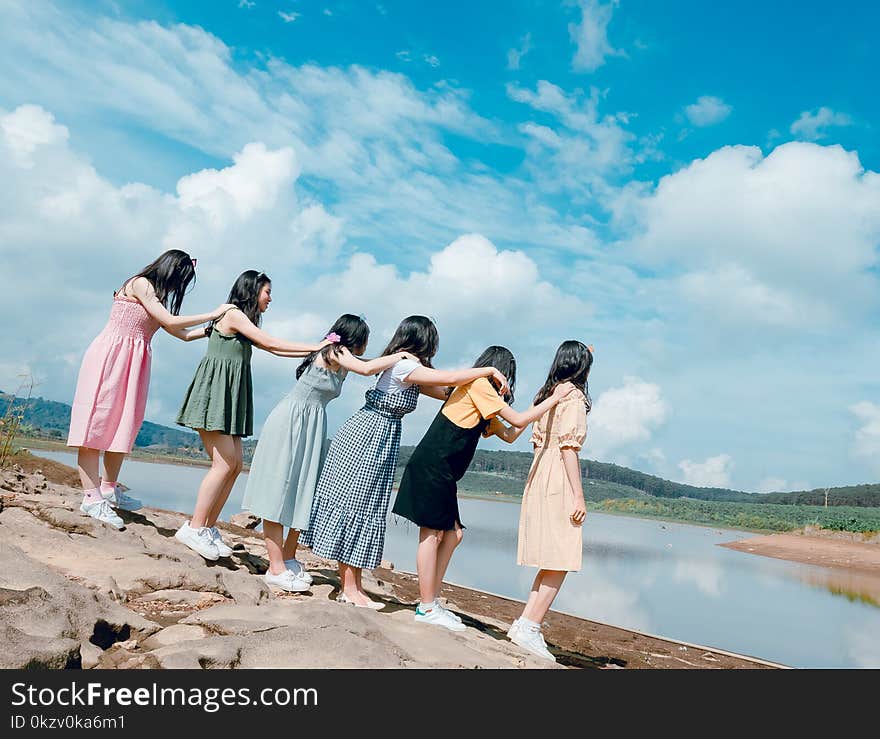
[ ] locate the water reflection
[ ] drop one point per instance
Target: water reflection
(855, 587)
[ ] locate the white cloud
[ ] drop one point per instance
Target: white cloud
(288, 17)
(784, 241)
(246, 4)
(28, 127)
(625, 415)
(591, 35)
(584, 150)
(251, 184)
(814, 126)
(514, 56)
(404, 55)
(714, 472)
(707, 111)
(431, 60)
(866, 444)
(772, 485)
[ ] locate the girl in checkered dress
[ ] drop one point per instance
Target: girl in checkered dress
(349, 510)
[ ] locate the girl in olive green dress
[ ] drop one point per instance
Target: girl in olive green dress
(219, 403)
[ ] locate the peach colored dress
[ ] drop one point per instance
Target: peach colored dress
(547, 537)
(111, 391)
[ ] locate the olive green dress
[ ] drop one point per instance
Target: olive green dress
(221, 395)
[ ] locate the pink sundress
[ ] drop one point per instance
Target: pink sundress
(111, 391)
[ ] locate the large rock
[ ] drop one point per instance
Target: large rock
(45, 618)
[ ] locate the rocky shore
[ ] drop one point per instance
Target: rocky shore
(75, 593)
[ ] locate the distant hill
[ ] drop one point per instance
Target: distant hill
(492, 471)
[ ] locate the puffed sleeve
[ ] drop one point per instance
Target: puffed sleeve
(485, 398)
(570, 423)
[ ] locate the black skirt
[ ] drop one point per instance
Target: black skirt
(428, 494)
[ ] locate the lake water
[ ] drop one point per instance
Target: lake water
(662, 578)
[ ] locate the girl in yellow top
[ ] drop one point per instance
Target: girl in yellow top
(553, 511)
(428, 492)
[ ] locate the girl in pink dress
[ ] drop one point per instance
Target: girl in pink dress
(111, 391)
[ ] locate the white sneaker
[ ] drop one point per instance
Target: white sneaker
(439, 617)
(438, 604)
(531, 638)
(118, 499)
(101, 511)
(288, 581)
(199, 540)
(223, 549)
(296, 567)
(513, 628)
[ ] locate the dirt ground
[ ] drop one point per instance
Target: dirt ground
(814, 549)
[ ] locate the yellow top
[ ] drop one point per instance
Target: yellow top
(471, 403)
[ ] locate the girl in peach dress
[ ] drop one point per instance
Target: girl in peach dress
(111, 390)
(553, 511)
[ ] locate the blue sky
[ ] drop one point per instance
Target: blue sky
(690, 186)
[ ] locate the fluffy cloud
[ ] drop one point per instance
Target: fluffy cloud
(866, 444)
(814, 126)
(28, 127)
(623, 416)
(591, 35)
(251, 184)
(714, 472)
(783, 240)
(707, 111)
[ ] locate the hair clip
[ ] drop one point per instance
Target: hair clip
(333, 338)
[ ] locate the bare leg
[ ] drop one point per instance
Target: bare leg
(87, 463)
(227, 487)
(426, 562)
(112, 465)
(444, 554)
(273, 533)
(348, 583)
(224, 465)
(290, 544)
(544, 590)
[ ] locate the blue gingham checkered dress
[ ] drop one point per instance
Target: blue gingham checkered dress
(350, 506)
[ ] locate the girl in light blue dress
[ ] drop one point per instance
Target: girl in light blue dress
(290, 453)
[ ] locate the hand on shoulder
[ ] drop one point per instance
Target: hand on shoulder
(564, 390)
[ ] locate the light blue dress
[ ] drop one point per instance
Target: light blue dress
(290, 453)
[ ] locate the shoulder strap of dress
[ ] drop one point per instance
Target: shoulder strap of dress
(121, 290)
(234, 307)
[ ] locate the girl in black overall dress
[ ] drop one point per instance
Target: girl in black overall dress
(428, 494)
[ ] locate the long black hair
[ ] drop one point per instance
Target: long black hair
(170, 274)
(246, 290)
(571, 364)
(502, 359)
(416, 335)
(353, 332)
